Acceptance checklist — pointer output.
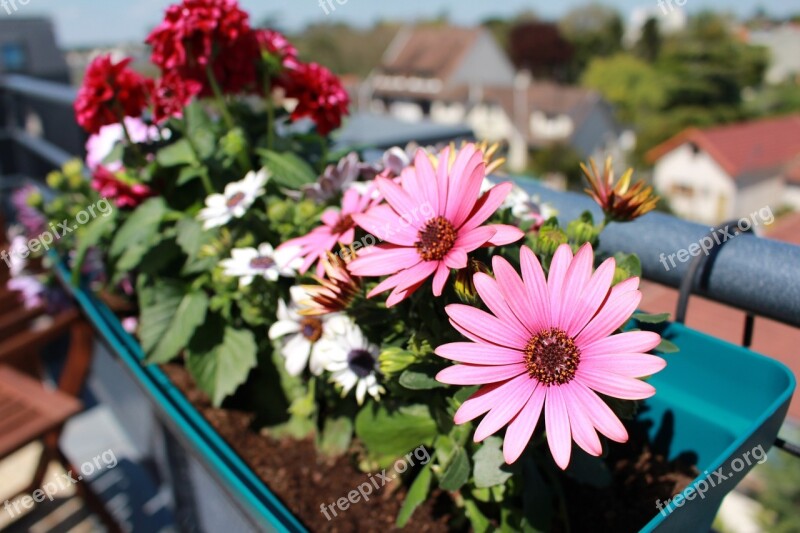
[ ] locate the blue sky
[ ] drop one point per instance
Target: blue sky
(108, 21)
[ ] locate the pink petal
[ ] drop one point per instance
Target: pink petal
(398, 294)
(416, 275)
(627, 342)
(599, 412)
(491, 295)
(456, 258)
(505, 234)
(466, 160)
(536, 287)
(426, 180)
(487, 205)
(555, 281)
(384, 259)
(616, 311)
(578, 274)
(632, 365)
(330, 217)
(483, 400)
(386, 225)
(507, 407)
(442, 178)
(478, 375)
(348, 236)
(594, 294)
(479, 354)
(614, 385)
(580, 424)
(474, 239)
(400, 201)
(514, 293)
(440, 278)
(520, 430)
(469, 189)
(556, 422)
(487, 326)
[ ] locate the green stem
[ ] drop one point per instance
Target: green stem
(140, 159)
(223, 106)
(270, 111)
(203, 175)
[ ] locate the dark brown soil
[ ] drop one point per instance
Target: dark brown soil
(304, 480)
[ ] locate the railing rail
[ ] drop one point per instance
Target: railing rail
(757, 275)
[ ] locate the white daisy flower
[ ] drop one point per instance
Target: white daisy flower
(247, 263)
(301, 334)
(235, 201)
(352, 360)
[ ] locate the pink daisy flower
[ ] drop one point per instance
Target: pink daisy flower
(337, 227)
(546, 348)
(431, 221)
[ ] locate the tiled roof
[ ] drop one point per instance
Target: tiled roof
(429, 51)
(744, 148)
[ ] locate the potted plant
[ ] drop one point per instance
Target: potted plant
(493, 378)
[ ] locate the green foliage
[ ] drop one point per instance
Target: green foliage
(287, 169)
(490, 466)
(417, 494)
(220, 366)
(389, 434)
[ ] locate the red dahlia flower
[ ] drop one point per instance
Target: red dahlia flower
(171, 95)
(109, 92)
(198, 34)
(124, 195)
(320, 95)
(277, 45)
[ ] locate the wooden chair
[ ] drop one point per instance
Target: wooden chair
(29, 411)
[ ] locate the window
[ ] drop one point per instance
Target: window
(14, 58)
(679, 189)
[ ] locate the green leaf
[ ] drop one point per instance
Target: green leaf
(388, 435)
(200, 129)
(140, 227)
(651, 319)
(416, 380)
(628, 266)
(176, 154)
(336, 436)
(480, 523)
(190, 237)
(416, 496)
(288, 169)
(187, 174)
(220, 371)
(178, 328)
(457, 471)
(666, 346)
(490, 465)
(158, 305)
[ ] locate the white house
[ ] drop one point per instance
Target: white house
(728, 172)
(452, 75)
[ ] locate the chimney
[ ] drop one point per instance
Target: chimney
(521, 118)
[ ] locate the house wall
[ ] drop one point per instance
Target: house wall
(597, 134)
(696, 186)
(35, 41)
(766, 193)
(791, 196)
(484, 64)
(490, 122)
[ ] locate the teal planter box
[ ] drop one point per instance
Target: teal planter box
(715, 400)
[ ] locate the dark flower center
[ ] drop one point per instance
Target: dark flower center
(435, 239)
(343, 224)
(262, 263)
(235, 200)
(361, 362)
(551, 357)
(311, 328)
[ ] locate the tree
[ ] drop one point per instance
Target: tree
(649, 44)
(632, 86)
(540, 48)
(593, 30)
